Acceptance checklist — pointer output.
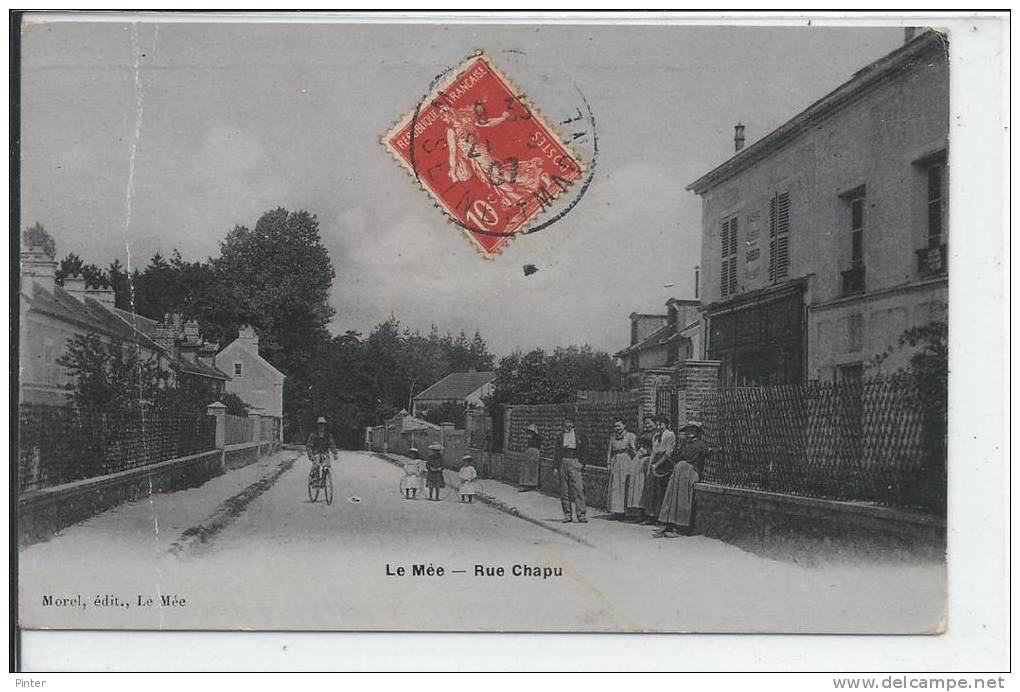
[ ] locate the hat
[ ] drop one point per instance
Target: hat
(467, 457)
(692, 425)
(321, 420)
(436, 447)
(533, 428)
(413, 449)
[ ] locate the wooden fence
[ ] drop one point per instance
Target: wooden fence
(239, 429)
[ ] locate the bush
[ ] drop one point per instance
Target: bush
(236, 406)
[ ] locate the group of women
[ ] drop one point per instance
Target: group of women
(651, 477)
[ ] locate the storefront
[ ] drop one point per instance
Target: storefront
(759, 338)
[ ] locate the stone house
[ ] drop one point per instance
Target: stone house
(659, 341)
(253, 378)
(50, 315)
(827, 238)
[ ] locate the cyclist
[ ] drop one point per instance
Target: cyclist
(320, 443)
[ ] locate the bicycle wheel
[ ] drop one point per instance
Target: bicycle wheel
(313, 490)
(327, 487)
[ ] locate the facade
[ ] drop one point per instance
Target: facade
(252, 377)
(50, 315)
(826, 239)
(662, 341)
(469, 388)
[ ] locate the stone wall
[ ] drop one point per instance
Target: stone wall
(780, 525)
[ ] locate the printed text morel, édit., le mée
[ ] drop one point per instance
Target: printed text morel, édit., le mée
(110, 600)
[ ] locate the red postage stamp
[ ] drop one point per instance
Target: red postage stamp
(484, 154)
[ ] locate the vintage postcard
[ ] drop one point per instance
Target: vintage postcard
(383, 325)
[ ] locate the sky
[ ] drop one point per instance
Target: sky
(146, 137)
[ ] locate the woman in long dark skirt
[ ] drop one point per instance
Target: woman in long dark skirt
(532, 454)
(678, 502)
(658, 470)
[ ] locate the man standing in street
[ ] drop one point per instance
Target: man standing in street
(569, 450)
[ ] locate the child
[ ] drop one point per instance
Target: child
(434, 471)
(412, 474)
(468, 475)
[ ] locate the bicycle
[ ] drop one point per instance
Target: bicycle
(321, 479)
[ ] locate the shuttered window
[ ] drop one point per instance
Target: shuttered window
(779, 237)
(728, 245)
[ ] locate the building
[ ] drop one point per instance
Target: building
(252, 377)
(50, 315)
(194, 358)
(827, 238)
(662, 341)
(468, 388)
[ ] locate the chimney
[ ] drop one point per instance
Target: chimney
(75, 286)
(37, 267)
(738, 137)
(191, 331)
(165, 335)
(103, 296)
(207, 353)
(247, 335)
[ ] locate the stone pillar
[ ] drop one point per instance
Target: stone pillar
(220, 411)
(697, 380)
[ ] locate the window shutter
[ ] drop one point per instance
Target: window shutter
(728, 268)
(779, 237)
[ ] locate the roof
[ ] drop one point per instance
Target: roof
(456, 385)
(895, 63)
(88, 314)
(92, 315)
(140, 322)
(411, 424)
(660, 337)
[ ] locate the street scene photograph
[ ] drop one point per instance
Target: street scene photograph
(482, 327)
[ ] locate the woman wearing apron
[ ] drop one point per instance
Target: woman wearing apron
(622, 447)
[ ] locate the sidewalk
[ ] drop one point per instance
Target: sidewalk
(154, 523)
(541, 509)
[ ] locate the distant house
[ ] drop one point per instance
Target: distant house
(50, 315)
(252, 377)
(662, 341)
(457, 387)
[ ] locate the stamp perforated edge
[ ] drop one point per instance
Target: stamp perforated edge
(449, 78)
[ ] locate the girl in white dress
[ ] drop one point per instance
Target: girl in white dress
(467, 474)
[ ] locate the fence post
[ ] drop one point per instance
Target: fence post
(220, 411)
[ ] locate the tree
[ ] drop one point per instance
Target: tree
(277, 277)
(36, 236)
(73, 265)
(236, 406)
(110, 377)
(538, 378)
